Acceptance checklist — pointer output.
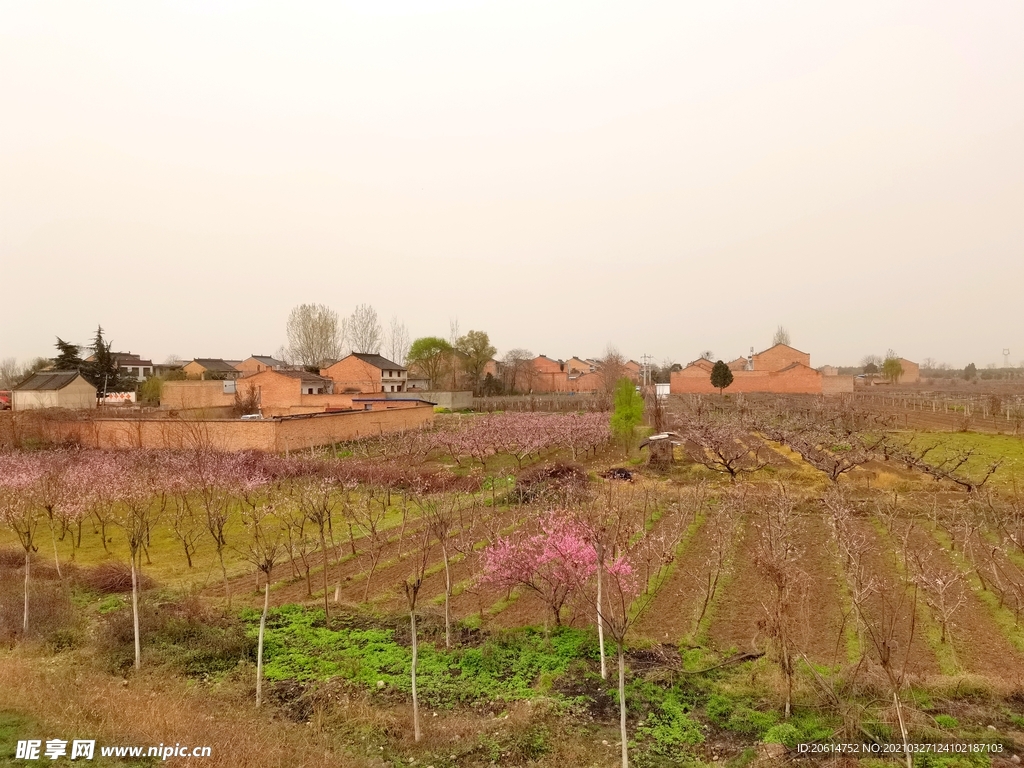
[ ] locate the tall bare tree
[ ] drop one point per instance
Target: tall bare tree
(315, 335)
(364, 330)
(397, 342)
(781, 336)
(517, 370)
(613, 368)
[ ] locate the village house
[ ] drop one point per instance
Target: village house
(133, 365)
(911, 372)
(54, 389)
(549, 375)
(366, 373)
(204, 368)
(260, 363)
(578, 365)
(780, 369)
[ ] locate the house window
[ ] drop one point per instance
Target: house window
(310, 392)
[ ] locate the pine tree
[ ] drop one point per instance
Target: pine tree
(721, 376)
(103, 371)
(68, 358)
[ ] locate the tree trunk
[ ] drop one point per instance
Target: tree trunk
(56, 557)
(600, 626)
(903, 728)
(622, 706)
(447, 599)
(135, 612)
(259, 647)
(224, 571)
(415, 700)
(24, 622)
(327, 610)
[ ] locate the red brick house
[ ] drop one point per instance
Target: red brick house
(780, 369)
(366, 373)
(259, 363)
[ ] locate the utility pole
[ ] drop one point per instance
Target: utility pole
(646, 369)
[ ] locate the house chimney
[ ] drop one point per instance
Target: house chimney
(750, 360)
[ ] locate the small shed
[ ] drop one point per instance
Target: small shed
(54, 389)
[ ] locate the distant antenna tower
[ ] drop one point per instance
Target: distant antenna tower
(1006, 358)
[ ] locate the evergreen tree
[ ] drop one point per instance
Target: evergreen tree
(68, 358)
(103, 370)
(970, 371)
(721, 376)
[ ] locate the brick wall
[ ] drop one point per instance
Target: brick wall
(550, 381)
(798, 380)
(543, 364)
(234, 434)
(778, 357)
(353, 375)
(587, 382)
(836, 385)
(189, 395)
(911, 372)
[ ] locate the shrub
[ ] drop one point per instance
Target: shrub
(110, 578)
(554, 482)
(183, 635)
(783, 733)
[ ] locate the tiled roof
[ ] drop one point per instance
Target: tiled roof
(48, 381)
(378, 361)
(214, 364)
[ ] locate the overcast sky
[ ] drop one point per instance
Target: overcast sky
(663, 177)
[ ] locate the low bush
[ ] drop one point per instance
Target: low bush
(110, 578)
(181, 634)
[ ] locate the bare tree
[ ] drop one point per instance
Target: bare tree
(364, 330)
(724, 446)
(613, 368)
(412, 589)
(315, 335)
(781, 336)
(453, 352)
(10, 372)
(397, 344)
(776, 556)
(23, 518)
(942, 462)
(141, 507)
(262, 550)
(517, 370)
(835, 455)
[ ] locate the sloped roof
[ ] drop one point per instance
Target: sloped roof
(791, 366)
(773, 346)
(49, 381)
(377, 361)
(304, 376)
(215, 364)
(267, 360)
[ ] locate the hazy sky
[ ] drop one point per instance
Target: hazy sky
(664, 177)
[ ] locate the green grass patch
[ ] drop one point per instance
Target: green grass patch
(511, 666)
